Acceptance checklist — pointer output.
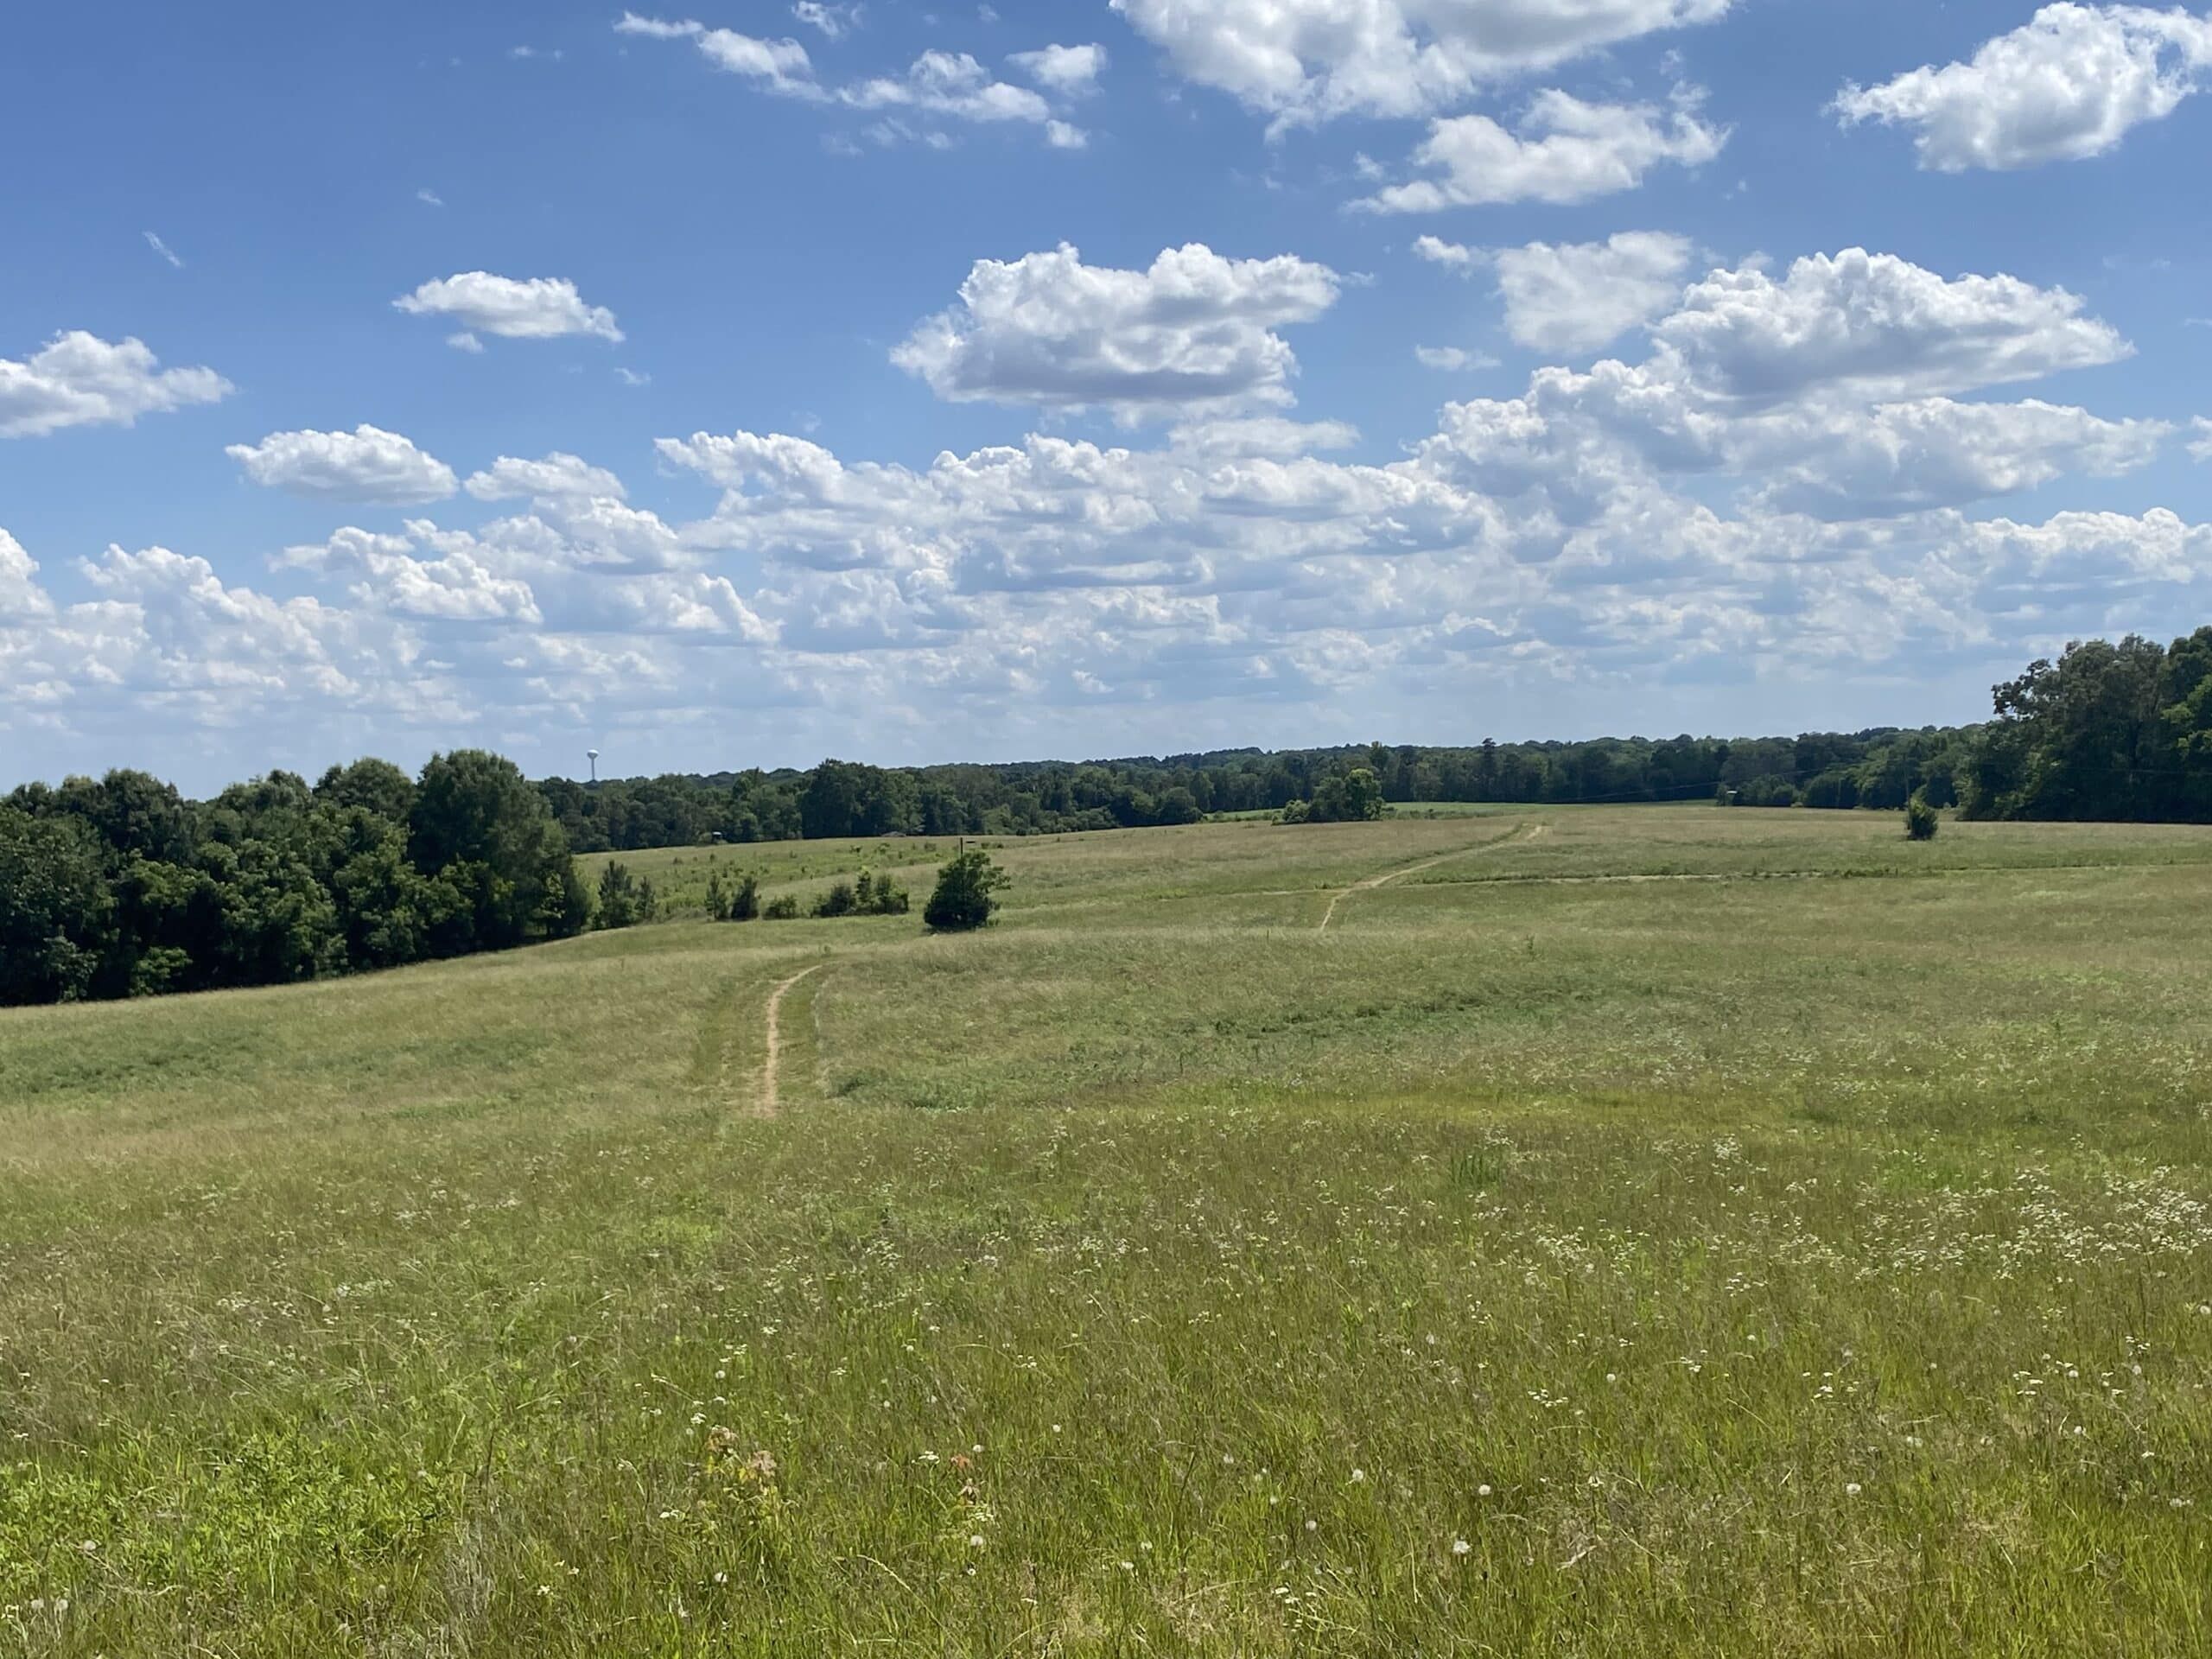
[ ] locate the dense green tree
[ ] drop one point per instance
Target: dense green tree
(54, 908)
(377, 787)
(475, 810)
(963, 899)
(1353, 797)
(624, 900)
(844, 799)
(745, 904)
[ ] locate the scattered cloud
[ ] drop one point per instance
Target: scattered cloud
(1453, 359)
(632, 377)
(1060, 135)
(557, 477)
(1315, 60)
(1565, 150)
(1577, 298)
(938, 85)
(1877, 325)
(429, 198)
(2201, 449)
(163, 249)
(833, 21)
(2067, 85)
(21, 600)
(1071, 71)
(949, 84)
(80, 379)
(1196, 331)
(1450, 255)
(366, 465)
(543, 307)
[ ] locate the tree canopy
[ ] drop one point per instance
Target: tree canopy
(119, 887)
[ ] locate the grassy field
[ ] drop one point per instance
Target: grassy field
(1605, 1232)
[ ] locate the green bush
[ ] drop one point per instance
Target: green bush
(785, 909)
(963, 901)
(624, 900)
(1354, 796)
(745, 906)
(1921, 823)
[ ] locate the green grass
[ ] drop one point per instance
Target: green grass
(1813, 1257)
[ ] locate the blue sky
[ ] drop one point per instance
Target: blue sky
(921, 384)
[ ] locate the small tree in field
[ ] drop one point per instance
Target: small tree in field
(617, 898)
(962, 900)
(745, 906)
(1921, 823)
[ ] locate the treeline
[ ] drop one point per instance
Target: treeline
(122, 888)
(2107, 732)
(841, 800)
(2111, 731)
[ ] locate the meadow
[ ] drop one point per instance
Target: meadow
(1594, 1232)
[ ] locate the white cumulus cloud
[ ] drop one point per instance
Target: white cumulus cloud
(1878, 325)
(541, 307)
(80, 379)
(2067, 85)
(557, 477)
(1564, 150)
(1068, 70)
(1196, 331)
(21, 597)
(1575, 298)
(367, 464)
(1312, 59)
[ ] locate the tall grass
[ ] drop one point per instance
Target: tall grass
(1764, 1266)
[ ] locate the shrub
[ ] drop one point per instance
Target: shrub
(717, 899)
(1353, 797)
(962, 900)
(785, 909)
(1921, 823)
(746, 905)
(623, 901)
(840, 900)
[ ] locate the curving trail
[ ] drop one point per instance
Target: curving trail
(771, 1054)
(1389, 876)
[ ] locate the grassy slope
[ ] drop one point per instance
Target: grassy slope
(1617, 1230)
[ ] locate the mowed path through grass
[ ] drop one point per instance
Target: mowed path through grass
(1812, 1260)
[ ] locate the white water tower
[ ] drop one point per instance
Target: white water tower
(594, 754)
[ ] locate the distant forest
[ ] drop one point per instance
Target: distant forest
(2110, 732)
(121, 886)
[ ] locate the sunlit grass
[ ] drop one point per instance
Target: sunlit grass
(1787, 1265)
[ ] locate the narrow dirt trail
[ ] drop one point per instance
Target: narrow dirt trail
(1384, 880)
(772, 1050)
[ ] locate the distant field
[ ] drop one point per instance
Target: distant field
(1592, 1231)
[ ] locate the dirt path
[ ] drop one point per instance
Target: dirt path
(773, 1051)
(1389, 876)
